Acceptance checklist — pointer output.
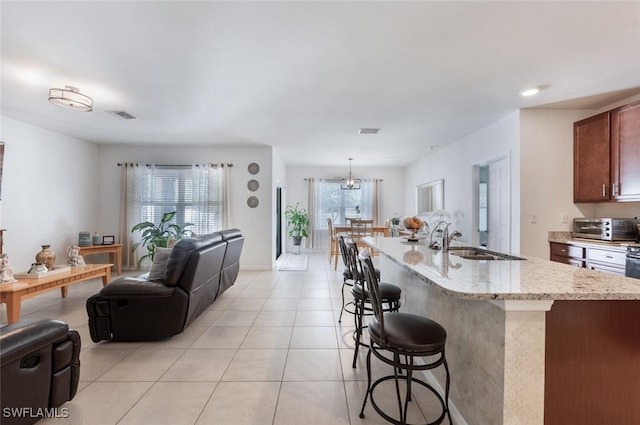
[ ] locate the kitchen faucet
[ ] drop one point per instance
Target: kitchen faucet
(445, 246)
(446, 239)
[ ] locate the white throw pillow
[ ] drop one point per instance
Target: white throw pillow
(160, 259)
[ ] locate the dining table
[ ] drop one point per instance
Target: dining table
(342, 230)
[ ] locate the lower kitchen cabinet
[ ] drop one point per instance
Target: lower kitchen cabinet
(600, 259)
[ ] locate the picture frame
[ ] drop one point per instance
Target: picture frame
(108, 240)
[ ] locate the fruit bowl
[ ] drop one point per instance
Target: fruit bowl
(413, 224)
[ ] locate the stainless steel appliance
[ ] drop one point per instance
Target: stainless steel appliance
(632, 268)
(606, 229)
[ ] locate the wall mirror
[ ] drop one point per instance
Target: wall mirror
(430, 197)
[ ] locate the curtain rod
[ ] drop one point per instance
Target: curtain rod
(338, 179)
(230, 164)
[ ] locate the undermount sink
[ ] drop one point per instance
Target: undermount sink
(472, 253)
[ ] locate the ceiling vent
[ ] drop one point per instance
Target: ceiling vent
(369, 131)
(122, 114)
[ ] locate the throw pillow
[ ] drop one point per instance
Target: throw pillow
(159, 264)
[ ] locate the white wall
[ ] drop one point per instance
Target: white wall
(455, 163)
(546, 137)
(256, 223)
(48, 191)
(391, 202)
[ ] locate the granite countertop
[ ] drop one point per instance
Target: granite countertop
(527, 279)
(567, 237)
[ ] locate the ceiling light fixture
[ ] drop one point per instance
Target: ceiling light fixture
(350, 183)
(70, 98)
(530, 92)
(368, 131)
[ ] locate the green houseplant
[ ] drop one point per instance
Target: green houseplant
(159, 236)
(297, 222)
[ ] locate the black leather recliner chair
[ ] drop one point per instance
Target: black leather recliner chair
(199, 270)
(40, 369)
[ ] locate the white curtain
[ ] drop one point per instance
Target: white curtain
(311, 240)
(130, 194)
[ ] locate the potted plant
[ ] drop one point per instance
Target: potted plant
(297, 222)
(159, 236)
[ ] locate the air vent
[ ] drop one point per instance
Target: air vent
(368, 131)
(122, 114)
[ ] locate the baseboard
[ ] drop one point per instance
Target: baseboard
(456, 416)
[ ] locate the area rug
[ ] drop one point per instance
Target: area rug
(293, 263)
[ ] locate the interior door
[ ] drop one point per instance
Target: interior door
(498, 189)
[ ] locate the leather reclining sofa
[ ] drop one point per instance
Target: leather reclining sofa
(198, 270)
(40, 369)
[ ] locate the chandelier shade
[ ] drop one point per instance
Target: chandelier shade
(70, 98)
(350, 183)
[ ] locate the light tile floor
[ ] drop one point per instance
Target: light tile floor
(269, 351)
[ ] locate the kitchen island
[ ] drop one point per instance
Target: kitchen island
(511, 323)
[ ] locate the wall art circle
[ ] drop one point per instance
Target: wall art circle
(253, 185)
(252, 201)
(253, 168)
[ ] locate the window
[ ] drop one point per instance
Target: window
(338, 205)
(195, 193)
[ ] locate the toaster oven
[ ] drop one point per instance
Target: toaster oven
(606, 229)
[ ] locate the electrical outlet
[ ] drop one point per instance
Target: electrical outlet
(564, 218)
(534, 218)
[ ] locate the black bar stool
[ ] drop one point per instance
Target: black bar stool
(407, 337)
(349, 278)
(389, 294)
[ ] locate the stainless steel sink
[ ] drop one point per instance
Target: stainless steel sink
(473, 253)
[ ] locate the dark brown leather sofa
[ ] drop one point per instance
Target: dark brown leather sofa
(198, 271)
(40, 370)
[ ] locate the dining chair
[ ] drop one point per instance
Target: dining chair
(334, 246)
(361, 229)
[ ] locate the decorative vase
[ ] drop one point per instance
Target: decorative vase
(47, 257)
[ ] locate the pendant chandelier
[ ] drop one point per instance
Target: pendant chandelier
(350, 183)
(70, 98)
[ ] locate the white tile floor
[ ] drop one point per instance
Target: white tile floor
(269, 351)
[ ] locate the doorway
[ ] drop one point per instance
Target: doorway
(493, 193)
(278, 222)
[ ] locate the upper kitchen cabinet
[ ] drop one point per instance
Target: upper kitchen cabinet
(606, 156)
(591, 153)
(625, 152)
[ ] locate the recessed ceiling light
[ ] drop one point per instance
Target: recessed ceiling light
(530, 92)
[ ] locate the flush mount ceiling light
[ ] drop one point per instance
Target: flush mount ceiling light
(350, 183)
(70, 98)
(530, 92)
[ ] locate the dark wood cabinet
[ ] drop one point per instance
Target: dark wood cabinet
(591, 156)
(567, 254)
(625, 152)
(606, 156)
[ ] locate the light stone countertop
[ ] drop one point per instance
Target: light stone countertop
(566, 237)
(528, 279)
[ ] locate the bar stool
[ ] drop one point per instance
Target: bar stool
(389, 294)
(407, 337)
(349, 277)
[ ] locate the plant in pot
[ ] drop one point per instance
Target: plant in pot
(160, 235)
(297, 222)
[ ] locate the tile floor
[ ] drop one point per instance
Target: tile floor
(269, 351)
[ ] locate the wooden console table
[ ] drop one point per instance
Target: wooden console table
(12, 294)
(114, 251)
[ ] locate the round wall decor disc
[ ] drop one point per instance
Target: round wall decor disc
(253, 185)
(253, 168)
(253, 201)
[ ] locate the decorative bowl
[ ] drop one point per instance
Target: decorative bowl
(414, 224)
